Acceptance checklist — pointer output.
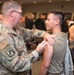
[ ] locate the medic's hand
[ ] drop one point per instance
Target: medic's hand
(40, 47)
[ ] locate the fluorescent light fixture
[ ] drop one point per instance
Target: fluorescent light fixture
(21, 2)
(67, 0)
(35, 2)
(50, 1)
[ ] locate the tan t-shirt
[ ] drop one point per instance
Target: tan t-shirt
(58, 54)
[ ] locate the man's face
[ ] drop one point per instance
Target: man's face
(17, 16)
(50, 22)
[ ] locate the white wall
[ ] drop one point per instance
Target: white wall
(68, 7)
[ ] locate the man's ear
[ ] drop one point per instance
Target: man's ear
(57, 21)
(11, 13)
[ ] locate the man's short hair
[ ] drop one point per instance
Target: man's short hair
(59, 14)
(10, 4)
(63, 23)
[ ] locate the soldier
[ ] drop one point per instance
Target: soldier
(14, 59)
(54, 56)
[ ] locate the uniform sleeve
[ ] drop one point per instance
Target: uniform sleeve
(33, 33)
(11, 60)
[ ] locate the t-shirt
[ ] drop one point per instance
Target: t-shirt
(59, 52)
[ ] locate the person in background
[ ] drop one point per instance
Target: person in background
(71, 38)
(14, 58)
(54, 56)
(40, 23)
(21, 22)
(29, 22)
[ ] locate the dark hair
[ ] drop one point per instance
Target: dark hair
(71, 25)
(41, 14)
(63, 23)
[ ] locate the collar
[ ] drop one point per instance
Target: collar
(14, 32)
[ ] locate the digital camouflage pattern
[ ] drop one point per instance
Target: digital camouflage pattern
(14, 59)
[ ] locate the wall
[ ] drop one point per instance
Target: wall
(66, 7)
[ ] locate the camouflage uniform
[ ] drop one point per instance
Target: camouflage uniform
(14, 59)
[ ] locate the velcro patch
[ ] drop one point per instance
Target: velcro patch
(3, 44)
(10, 53)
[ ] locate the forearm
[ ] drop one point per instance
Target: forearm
(43, 70)
(38, 33)
(46, 59)
(33, 33)
(26, 61)
(19, 63)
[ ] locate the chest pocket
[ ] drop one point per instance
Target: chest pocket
(20, 45)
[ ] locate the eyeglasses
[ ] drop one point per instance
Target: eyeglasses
(18, 12)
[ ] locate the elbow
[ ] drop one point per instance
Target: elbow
(45, 66)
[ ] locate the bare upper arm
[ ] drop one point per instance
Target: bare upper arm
(47, 56)
(71, 31)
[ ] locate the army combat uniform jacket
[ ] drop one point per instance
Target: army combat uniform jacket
(14, 59)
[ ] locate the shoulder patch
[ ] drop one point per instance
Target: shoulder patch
(10, 53)
(3, 44)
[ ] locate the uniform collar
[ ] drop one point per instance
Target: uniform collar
(9, 29)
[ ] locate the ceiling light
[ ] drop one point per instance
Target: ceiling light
(35, 2)
(50, 1)
(67, 0)
(21, 2)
